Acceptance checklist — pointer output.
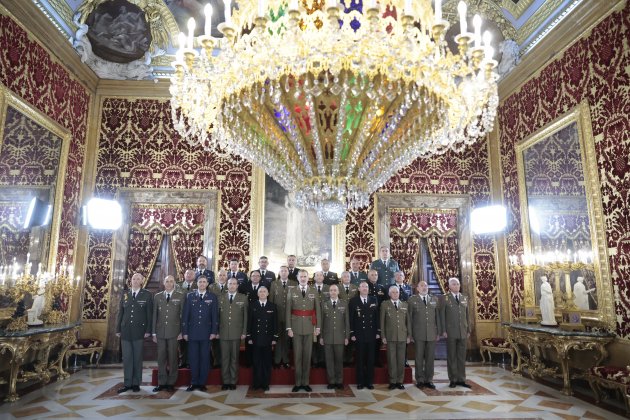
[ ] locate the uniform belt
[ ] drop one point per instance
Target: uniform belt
(310, 312)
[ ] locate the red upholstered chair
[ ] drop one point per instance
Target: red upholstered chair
(496, 345)
(90, 346)
(612, 377)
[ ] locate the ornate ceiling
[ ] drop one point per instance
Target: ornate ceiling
(134, 39)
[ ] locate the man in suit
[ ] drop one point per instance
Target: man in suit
(386, 267)
(356, 274)
(334, 336)
(233, 309)
(330, 277)
(235, 273)
(364, 332)
(167, 330)
(266, 276)
(203, 270)
(396, 330)
(200, 324)
(219, 288)
(262, 336)
(456, 329)
(425, 327)
(278, 295)
(318, 358)
(293, 270)
(303, 315)
(189, 283)
(347, 291)
(403, 288)
(133, 325)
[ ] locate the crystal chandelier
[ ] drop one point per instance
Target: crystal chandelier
(332, 99)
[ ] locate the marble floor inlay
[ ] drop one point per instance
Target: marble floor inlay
(495, 394)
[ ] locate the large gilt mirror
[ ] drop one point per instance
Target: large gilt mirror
(33, 157)
(561, 211)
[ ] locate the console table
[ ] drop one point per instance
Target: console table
(536, 339)
(42, 347)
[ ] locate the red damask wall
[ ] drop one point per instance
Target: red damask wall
(467, 172)
(27, 69)
(595, 69)
(138, 148)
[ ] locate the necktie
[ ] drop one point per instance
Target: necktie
(262, 274)
(319, 289)
(168, 297)
(231, 298)
(134, 295)
(221, 287)
(255, 288)
(233, 275)
(400, 289)
(334, 304)
(364, 301)
(424, 299)
(355, 275)
(262, 305)
(284, 284)
(396, 305)
(347, 290)
(303, 292)
(188, 286)
(457, 299)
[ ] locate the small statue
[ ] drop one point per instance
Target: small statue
(38, 306)
(510, 56)
(581, 294)
(547, 306)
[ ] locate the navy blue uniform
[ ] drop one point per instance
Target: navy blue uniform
(205, 273)
(199, 321)
(364, 327)
(262, 331)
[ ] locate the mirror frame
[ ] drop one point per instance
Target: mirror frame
(10, 99)
(604, 315)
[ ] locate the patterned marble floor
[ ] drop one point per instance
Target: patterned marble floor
(496, 393)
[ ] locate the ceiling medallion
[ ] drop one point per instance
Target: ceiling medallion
(332, 99)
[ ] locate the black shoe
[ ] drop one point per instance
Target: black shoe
(452, 385)
(339, 386)
(159, 388)
(253, 388)
(202, 388)
(191, 388)
(406, 364)
(419, 385)
(391, 386)
(123, 389)
(370, 387)
(225, 387)
(184, 366)
(232, 387)
(286, 366)
(464, 384)
(429, 385)
(296, 388)
(135, 388)
(307, 388)
(331, 386)
(266, 388)
(400, 386)
(359, 386)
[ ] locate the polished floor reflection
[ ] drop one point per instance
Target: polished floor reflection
(495, 393)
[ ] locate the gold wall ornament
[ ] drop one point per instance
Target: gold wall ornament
(562, 219)
(330, 102)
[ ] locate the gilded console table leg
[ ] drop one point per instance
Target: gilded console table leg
(18, 350)
(519, 360)
(68, 339)
(563, 356)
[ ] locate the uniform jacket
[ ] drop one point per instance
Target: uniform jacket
(454, 316)
(353, 290)
(323, 292)
(395, 323)
(358, 277)
(167, 316)
(293, 273)
(425, 319)
(248, 290)
(200, 318)
(263, 323)
(405, 291)
(240, 276)
(206, 273)
(302, 325)
(216, 289)
(278, 295)
(232, 316)
(268, 278)
(183, 287)
(385, 272)
(134, 315)
(331, 278)
(378, 291)
(364, 320)
(335, 322)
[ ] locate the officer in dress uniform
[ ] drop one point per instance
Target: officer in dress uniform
(380, 293)
(200, 324)
(386, 267)
(356, 274)
(133, 325)
(188, 285)
(219, 288)
(233, 308)
(250, 288)
(347, 291)
(396, 330)
(278, 295)
(262, 336)
(330, 277)
(168, 306)
(424, 333)
(456, 329)
(203, 270)
(266, 276)
(293, 270)
(364, 332)
(318, 359)
(334, 336)
(235, 273)
(303, 315)
(403, 288)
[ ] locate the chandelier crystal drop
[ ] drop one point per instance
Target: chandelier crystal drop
(332, 99)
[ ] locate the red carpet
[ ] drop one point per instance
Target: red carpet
(284, 376)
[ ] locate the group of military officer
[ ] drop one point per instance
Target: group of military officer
(325, 318)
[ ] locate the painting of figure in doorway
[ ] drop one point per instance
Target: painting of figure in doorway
(290, 230)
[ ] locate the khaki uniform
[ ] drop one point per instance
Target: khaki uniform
(303, 315)
(216, 289)
(425, 321)
(396, 328)
(167, 325)
(232, 325)
(353, 290)
(318, 358)
(132, 323)
(454, 321)
(335, 331)
(278, 296)
(215, 345)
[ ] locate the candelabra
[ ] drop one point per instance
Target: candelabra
(16, 287)
(59, 292)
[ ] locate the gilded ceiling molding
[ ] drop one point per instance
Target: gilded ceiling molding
(535, 21)
(516, 9)
(488, 9)
(64, 10)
